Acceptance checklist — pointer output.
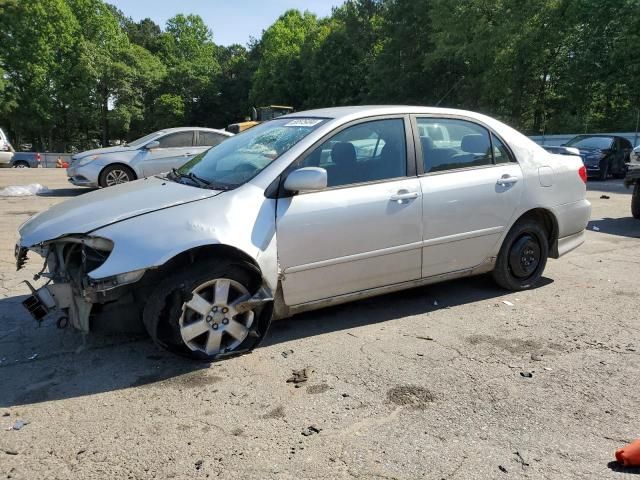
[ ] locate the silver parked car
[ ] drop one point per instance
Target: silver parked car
(311, 209)
(152, 154)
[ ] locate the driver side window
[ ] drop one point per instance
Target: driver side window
(365, 152)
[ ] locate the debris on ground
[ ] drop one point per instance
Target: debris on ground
(502, 469)
(537, 357)
(629, 455)
(23, 190)
(199, 464)
(6, 414)
(435, 303)
(520, 460)
(310, 430)
(526, 374)
(33, 357)
(10, 451)
(595, 228)
(18, 425)
(300, 376)
(345, 395)
(605, 197)
(507, 302)
(286, 353)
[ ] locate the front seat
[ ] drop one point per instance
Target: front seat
(345, 165)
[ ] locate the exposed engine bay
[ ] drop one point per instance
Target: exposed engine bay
(67, 262)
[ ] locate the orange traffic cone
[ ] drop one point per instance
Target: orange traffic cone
(629, 455)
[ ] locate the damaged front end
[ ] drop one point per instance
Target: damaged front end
(70, 290)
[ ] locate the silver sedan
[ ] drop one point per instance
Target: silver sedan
(152, 154)
(311, 209)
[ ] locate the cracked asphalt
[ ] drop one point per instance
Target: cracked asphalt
(440, 382)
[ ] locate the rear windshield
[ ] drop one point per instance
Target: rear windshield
(600, 143)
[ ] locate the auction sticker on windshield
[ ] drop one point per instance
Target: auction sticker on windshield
(303, 122)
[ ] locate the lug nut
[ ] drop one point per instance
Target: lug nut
(214, 309)
(225, 310)
(215, 326)
(225, 321)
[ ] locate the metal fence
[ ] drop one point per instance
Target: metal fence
(50, 159)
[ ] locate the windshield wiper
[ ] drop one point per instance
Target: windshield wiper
(199, 181)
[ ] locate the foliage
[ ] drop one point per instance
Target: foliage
(79, 73)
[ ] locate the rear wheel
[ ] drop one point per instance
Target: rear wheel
(523, 256)
(21, 164)
(200, 312)
(115, 175)
(635, 201)
(604, 170)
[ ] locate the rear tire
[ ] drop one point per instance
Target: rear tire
(523, 256)
(115, 175)
(192, 312)
(604, 170)
(635, 201)
(21, 164)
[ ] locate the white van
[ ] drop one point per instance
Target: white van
(6, 150)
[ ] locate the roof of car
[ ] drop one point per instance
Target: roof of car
(369, 110)
(182, 129)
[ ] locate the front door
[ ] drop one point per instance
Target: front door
(173, 151)
(471, 187)
(365, 229)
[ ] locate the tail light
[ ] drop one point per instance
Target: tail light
(582, 171)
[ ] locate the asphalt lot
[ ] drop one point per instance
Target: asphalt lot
(425, 383)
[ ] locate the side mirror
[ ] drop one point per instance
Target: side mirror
(308, 179)
(152, 145)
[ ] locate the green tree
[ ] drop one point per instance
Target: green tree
(278, 78)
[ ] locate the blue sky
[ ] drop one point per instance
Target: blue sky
(230, 21)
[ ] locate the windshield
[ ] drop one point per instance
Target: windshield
(601, 143)
(243, 156)
(141, 141)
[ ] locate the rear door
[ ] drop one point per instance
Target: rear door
(365, 229)
(471, 186)
(205, 140)
(173, 151)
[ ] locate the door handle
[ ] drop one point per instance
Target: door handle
(403, 195)
(506, 179)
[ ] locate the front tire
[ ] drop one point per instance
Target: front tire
(523, 256)
(115, 175)
(635, 201)
(197, 312)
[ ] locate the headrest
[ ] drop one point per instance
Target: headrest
(343, 152)
(475, 143)
(427, 143)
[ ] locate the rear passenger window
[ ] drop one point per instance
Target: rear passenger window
(177, 140)
(449, 144)
(500, 152)
(365, 152)
(209, 139)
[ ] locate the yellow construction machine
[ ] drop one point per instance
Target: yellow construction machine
(259, 115)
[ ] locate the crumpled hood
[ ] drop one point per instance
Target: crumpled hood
(99, 208)
(102, 151)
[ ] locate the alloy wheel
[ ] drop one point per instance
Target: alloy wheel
(116, 177)
(211, 321)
